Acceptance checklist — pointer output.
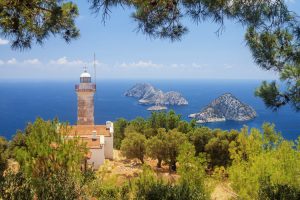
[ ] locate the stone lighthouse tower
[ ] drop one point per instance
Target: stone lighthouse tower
(85, 99)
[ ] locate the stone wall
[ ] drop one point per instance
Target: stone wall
(85, 108)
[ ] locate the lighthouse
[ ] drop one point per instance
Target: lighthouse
(99, 139)
(85, 99)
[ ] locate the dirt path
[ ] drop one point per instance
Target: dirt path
(223, 191)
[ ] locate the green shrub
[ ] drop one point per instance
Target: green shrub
(133, 146)
(269, 191)
(15, 186)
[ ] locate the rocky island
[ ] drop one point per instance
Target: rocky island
(149, 95)
(157, 108)
(225, 107)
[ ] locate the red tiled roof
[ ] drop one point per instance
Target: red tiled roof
(92, 143)
(83, 130)
(85, 133)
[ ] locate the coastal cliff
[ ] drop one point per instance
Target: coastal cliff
(225, 107)
(149, 95)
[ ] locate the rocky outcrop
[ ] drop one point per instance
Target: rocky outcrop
(225, 107)
(174, 98)
(149, 95)
(141, 90)
(157, 108)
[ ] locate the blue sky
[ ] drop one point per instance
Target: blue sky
(122, 53)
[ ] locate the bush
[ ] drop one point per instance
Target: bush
(133, 146)
(50, 165)
(191, 171)
(257, 157)
(149, 187)
(119, 132)
(15, 186)
(269, 191)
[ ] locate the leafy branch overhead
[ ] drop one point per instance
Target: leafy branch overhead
(272, 33)
(272, 30)
(33, 21)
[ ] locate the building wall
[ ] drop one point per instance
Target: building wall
(85, 108)
(108, 148)
(97, 158)
(109, 143)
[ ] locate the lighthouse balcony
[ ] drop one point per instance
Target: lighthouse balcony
(85, 87)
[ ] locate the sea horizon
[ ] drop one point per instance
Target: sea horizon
(10, 80)
(23, 102)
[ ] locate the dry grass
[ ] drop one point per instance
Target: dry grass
(125, 169)
(223, 191)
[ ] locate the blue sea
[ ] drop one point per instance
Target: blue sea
(22, 102)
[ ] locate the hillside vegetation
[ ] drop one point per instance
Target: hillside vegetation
(256, 164)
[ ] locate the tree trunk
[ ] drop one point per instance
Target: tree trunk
(172, 166)
(142, 160)
(159, 163)
(85, 165)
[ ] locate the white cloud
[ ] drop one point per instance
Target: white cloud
(3, 41)
(34, 61)
(175, 65)
(226, 66)
(156, 66)
(65, 61)
(140, 64)
(60, 61)
(197, 66)
(97, 63)
(12, 61)
(192, 66)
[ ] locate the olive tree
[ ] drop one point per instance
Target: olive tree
(133, 146)
(156, 147)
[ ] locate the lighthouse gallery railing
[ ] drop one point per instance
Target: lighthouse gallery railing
(85, 87)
